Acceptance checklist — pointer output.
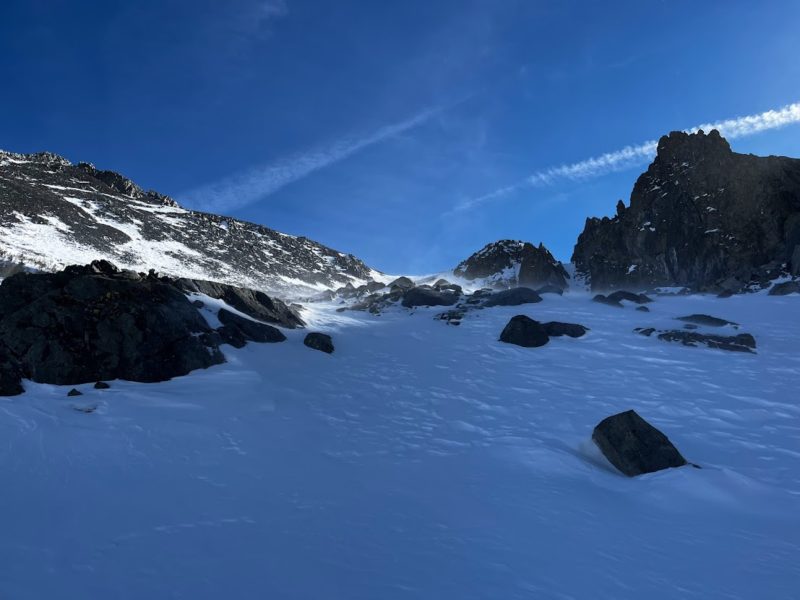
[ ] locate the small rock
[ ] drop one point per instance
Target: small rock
(101, 385)
(744, 342)
(642, 309)
(74, 392)
(319, 341)
(645, 331)
(524, 331)
(634, 446)
(706, 320)
(556, 329)
(621, 295)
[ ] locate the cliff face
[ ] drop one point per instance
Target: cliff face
(701, 216)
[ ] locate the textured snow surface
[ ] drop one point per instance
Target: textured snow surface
(420, 460)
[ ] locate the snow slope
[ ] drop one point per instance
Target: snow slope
(420, 460)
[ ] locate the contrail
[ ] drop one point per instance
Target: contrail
(248, 187)
(635, 155)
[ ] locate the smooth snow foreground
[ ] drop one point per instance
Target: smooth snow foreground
(421, 460)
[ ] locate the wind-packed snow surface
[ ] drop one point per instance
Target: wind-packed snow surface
(420, 460)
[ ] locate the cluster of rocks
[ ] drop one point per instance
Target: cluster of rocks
(616, 299)
(701, 216)
(523, 331)
(689, 336)
(97, 322)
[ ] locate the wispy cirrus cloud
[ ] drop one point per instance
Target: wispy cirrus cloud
(635, 155)
(256, 184)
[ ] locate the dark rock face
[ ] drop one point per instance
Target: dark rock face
(743, 342)
(510, 263)
(701, 216)
(573, 330)
(706, 320)
(513, 297)
(319, 341)
(524, 331)
(10, 374)
(785, 288)
(237, 331)
(634, 446)
(253, 303)
(404, 283)
(95, 322)
(420, 296)
(85, 215)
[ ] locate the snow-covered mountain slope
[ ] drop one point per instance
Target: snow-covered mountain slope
(53, 214)
(421, 461)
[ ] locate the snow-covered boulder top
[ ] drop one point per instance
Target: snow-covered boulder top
(54, 213)
(702, 217)
(512, 263)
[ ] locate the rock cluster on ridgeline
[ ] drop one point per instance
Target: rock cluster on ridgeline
(511, 263)
(97, 322)
(702, 217)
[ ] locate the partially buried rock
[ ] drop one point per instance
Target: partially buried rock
(238, 330)
(573, 330)
(524, 331)
(634, 446)
(706, 320)
(785, 288)
(513, 297)
(620, 295)
(744, 342)
(603, 299)
(101, 385)
(419, 296)
(74, 392)
(642, 309)
(319, 341)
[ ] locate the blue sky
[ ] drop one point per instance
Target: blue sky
(373, 126)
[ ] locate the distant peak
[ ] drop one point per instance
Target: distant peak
(685, 146)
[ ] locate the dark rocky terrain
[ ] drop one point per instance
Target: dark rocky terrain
(97, 322)
(701, 216)
(54, 213)
(511, 263)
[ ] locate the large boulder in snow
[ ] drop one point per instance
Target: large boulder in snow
(237, 330)
(511, 263)
(513, 297)
(253, 303)
(424, 296)
(524, 331)
(634, 446)
(96, 322)
(319, 341)
(785, 288)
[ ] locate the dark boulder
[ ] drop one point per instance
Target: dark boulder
(236, 330)
(404, 283)
(513, 297)
(621, 295)
(101, 385)
(95, 322)
(74, 392)
(603, 299)
(708, 320)
(556, 329)
(634, 446)
(550, 289)
(524, 331)
(253, 303)
(642, 309)
(319, 341)
(785, 288)
(428, 297)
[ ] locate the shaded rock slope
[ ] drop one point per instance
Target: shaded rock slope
(701, 216)
(97, 322)
(511, 263)
(54, 213)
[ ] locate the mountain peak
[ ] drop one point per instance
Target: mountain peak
(692, 147)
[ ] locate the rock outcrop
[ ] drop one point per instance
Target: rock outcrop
(319, 341)
(510, 263)
(701, 216)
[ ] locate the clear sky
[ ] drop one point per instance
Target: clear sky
(386, 129)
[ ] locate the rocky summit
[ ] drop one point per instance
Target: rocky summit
(54, 213)
(511, 263)
(701, 216)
